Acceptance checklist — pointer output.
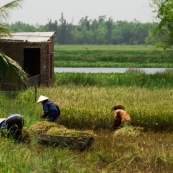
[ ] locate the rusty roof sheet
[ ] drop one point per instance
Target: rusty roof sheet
(29, 36)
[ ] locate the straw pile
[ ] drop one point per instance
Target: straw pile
(69, 132)
(128, 131)
(51, 128)
(26, 136)
(43, 127)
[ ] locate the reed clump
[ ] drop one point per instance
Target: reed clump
(132, 78)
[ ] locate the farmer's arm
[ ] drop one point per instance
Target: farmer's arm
(115, 115)
(46, 111)
(116, 122)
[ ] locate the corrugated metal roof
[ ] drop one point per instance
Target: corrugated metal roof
(29, 36)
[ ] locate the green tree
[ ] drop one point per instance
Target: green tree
(20, 27)
(62, 30)
(97, 31)
(9, 67)
(109, 24)
(163, 30)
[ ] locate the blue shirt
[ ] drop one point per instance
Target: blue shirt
(50, 110)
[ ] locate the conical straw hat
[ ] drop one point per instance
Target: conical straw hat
(42, 98)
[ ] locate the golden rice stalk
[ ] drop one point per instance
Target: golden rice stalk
(26, 136)
(43, 126)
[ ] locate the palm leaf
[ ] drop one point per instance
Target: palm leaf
(4, 30)
(5, 14)
(8, 67)
(11, 69)
(5, 10)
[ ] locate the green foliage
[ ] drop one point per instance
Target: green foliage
(8, 67)
(98, 31)
(5, 13)
(20, 27)
(163, 8)
(11, 69)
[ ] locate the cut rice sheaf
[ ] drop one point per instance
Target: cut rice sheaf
(128, 131)
(44, 126)
(51, 128)
(69, 132)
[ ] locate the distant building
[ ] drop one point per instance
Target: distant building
(34, 51)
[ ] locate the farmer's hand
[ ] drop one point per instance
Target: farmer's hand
(113, 126)
(42, 117)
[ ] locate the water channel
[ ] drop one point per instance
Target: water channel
(109, 70)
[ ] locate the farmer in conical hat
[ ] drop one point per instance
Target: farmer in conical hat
(121, 117)
(13, 124)
(50, 109)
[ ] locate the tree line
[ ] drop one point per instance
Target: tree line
(98, 31)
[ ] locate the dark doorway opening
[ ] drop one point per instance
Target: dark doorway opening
(32, 61)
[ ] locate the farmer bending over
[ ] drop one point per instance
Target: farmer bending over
(50, 109)
(13, 125)
(121, 117)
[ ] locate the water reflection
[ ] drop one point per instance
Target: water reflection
(109, 70)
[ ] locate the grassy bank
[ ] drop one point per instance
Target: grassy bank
(128, 79)
(111, 56)
(111, 64)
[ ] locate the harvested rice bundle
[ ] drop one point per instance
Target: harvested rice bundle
(128, 131)
(26, 136)
(43, 126)
(69, 132)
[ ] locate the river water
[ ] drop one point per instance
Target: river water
(109, 70)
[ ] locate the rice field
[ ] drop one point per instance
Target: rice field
(85, 101)
(145, 148)
(111, 56)
(90, 107)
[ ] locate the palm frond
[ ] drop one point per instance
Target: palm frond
(5, 10)
(11, 69)
(5, 13)
(8, 67)
(4, 30)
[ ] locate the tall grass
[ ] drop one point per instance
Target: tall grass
(131, 78)
(86, 99)
(34, 158)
